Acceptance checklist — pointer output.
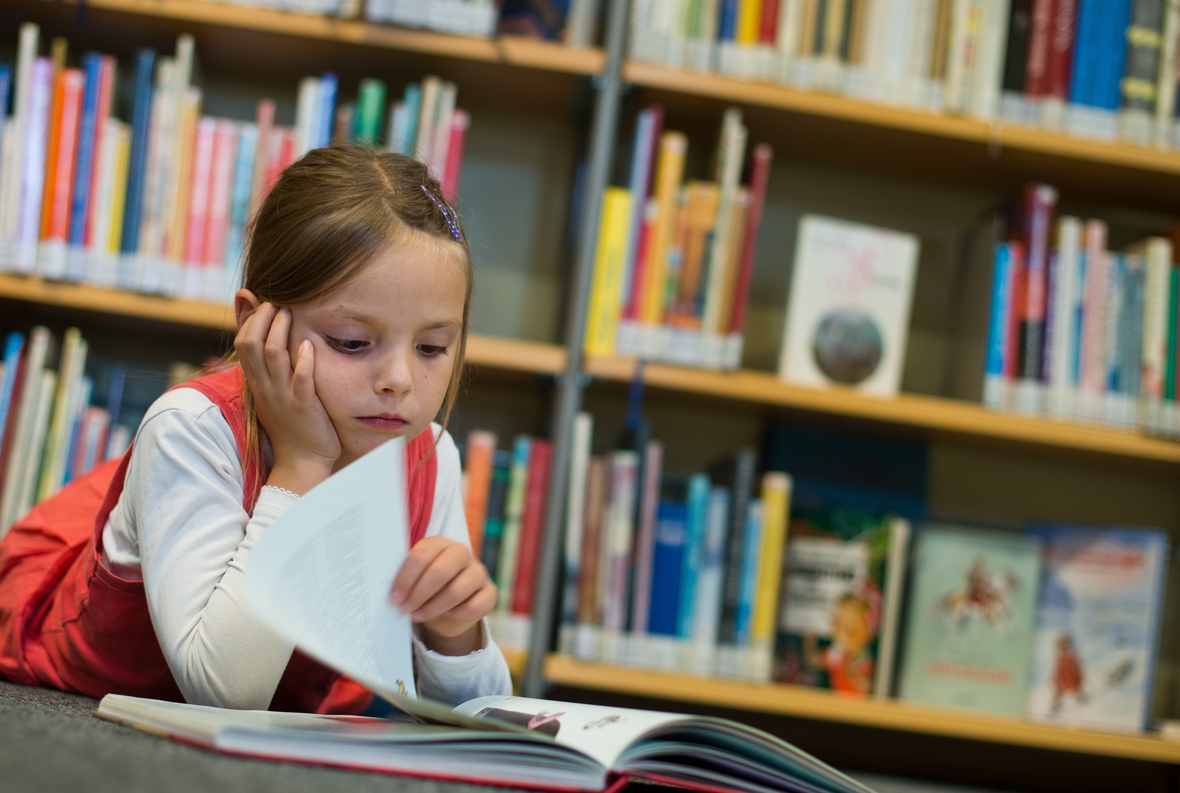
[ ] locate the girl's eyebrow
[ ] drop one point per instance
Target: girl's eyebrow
(448, 324)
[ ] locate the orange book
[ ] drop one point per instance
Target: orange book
(59, 175)
(702, 210)
(669, 170)
(190, 113)
(481, 453)
(51, 155)
(741, 205)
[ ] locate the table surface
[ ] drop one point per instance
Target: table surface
(51, 741)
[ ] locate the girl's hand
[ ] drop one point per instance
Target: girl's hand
(447, 591)
(300, 431)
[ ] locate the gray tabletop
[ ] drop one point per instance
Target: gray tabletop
(50, 741)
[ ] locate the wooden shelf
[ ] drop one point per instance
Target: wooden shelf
(949, 416)
(818, 705)
(514, 52)
(495, 353)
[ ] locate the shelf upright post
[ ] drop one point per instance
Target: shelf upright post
(602, 142)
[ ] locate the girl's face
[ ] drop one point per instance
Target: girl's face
(385, 343)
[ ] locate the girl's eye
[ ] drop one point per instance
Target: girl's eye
(431, 350)
(346, 345)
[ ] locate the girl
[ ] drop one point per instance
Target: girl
(352, 325)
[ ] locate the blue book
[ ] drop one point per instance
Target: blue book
(1075, 374)
(1114, 324)
(239, 208)
(751, 558)
(13, 346)
(998, 327)
(707, 608)
(141, 111)
(727, 27)
(1131, 326)
(694, 551)
(5, 90)
(327, 111)
(1087, 42)
(84, 162)
(1112, 55)
(413, 104)
(87, 387)
(667, 564)
(1097, 625)
(645, 144)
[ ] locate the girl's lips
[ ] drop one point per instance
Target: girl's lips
(384, 422)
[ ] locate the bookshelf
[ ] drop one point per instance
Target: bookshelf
(813, 704)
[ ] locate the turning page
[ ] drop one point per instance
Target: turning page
(320, 575)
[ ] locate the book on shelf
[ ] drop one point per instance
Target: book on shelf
(50, 431)
(1077, 331)
(971, 615)
(1097, 626)
(1102, 69)
(675, 256)
(849, 306)
(462, 17)
(161, 204)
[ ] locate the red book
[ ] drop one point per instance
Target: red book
(1060, 66)
(265, 120)
(759, 176)
(59, 182)
(1040, 32)
(220, 182)
(769, 31)
(639, 271)
(532, 525)
(106, 92)
(198, 207)
(460, 121)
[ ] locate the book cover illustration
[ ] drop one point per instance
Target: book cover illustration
(972, 605)
(830, 619)
(848, 313)
(1097, 623)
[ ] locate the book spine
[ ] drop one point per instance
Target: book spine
(427, 114)
(493, 529)
(618, 535)
(1169, 78)
(776, 501)
(84, 169)
(531, 526)
(1155, 329)
(667, 567)
(1113, 54)
(198, 202)
(1016, 55)
(1061, 43)
(55, 223)
(895, 576)
(696, 527)
(1060, 351)
(460, 123)
(589, 573)
(106, 127)
(646, 134)
(641, 587)
(575, 523)
(1144, 41)
(33, 173)
(442, 132)
(1173, 322)
(73, 357)
(481, 449)
(603, 312)
(743, 490)
(709, 585)
(137, 160)
(225, 143)
(18, 140)
(509, 548)
(1039, 203)
(322, 134)
(759, 178)
(989, 60)
(1113, 333)
(673, 146)
(17, 461)
(370, 109)
(1019, 284)
(731, 154)
(307, 108)
(748, 591)
(1093, 375)
(14, 345)
(996, 369)
(412, 99)
(35, 450)
(58, 85)
(1036, 68)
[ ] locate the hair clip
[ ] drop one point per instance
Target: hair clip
(458, 235)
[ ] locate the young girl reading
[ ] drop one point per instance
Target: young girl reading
(352, 325)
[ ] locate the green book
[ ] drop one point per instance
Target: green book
(973, 597)
(1170, 360)
(370, 108)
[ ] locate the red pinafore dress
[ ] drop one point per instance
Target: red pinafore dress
(68, 622)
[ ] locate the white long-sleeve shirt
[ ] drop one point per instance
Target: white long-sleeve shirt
(181, 527)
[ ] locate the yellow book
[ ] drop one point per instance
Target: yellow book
(119, 190)
(749, 27)
(73, 359)
(602, 319)
(190, 114)
(669, 171)
(776, 507)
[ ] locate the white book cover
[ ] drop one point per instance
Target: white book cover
(848, 313)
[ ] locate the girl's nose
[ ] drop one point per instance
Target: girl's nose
(395, 374)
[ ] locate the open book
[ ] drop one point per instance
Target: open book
(320, 576)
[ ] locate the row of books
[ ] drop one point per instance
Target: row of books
(504, 499)
(1097, 68)
(462, 17)
(675, 257)
(161, 204)
(726, 575)
(1077, 331)
(50, 430)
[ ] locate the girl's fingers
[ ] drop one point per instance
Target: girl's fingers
(252, 337)
(456, 592)
(417, 560)
(278, 360)
(443, 567)
(476, 607)
(302, 379)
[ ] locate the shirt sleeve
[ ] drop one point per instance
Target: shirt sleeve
(484, 672)
(183, 495)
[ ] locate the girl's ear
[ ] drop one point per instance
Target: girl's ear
(245, 304)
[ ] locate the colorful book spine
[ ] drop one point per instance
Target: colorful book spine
(481, 451)
(509, 550)
(92, 68)
(575, 529)
(776, 507)
(137, 161)
(532, 524)
(460, 124)
(760, 176)
(997, 370)
(609, 271)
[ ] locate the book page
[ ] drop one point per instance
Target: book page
(320, 576)
(602, 733)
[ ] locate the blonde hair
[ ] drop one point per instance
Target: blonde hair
(331, 213)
